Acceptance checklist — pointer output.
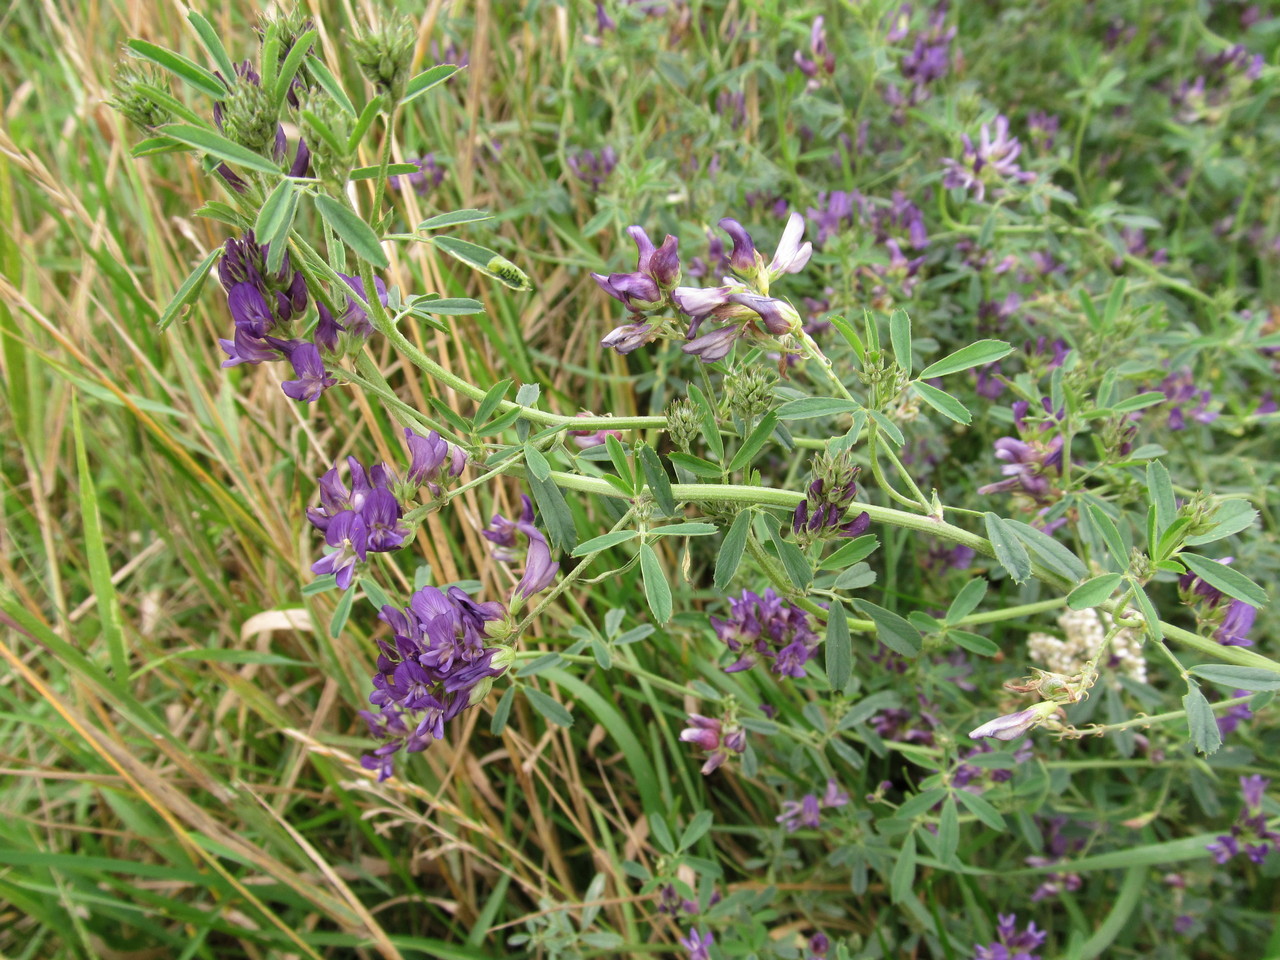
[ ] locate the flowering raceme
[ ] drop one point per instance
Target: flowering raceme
(436, 665)
(539, 569)
(764, 626)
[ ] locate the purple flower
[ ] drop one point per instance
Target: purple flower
(1012, 945)
(348, 535)
(364, 519)
(764, 626)
(1229, 721)
(719, 739)
(992, 161)
(803, 813)
(1011, 726)
(820, 55)
(540, 570)
(308, 367)
(819, 944)
(1236, 623)
(593, 167)
(1250, 834)
(433, 461)
(426, 178)
(657, 270)
(698, 944)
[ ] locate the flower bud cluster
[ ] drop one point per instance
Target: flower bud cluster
(385, 56)
(821, 514)
(135, 102)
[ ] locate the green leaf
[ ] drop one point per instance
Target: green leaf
(697, 466)
(710, 422)
(363, 123)
(502, 711)
(292, 62)
(1110, 534)
(375, 170)
(967, 600)
(1140, 402)
(948, 831)
(1009, 549)
(555, 512)
(859, 548)
(538, 465)
(1243, 678)
(95, 549)
(981, 808)
(894, 632)
(426, 80)
(275, 216)
(656, 589)
(538, 664)
(376, 596)
(603, 542)
(943, 402)
(793, 559)
(696, 829)
(974, 355)
(656, 476)
(213, 44)
(903, 878)
(454, 218)
(1149, 614)
(974, 642)
(754, 443)
(219, 146)
(155, 146)
(331, 85)
(839, 648)
(691, 528)
(353, 231)
(900, 338)
(661, 832)
(1230, 581)
(189, 292)
(809, 408)
(730, 556)
(888, 426)
(447, 306)
(485, 261)
(196, 75)
(340, 614)
(1160, 495)
(1051, 553)
(1231, 517)
(1200, 719)
(491, 400)
(1093, 593)
(621, 463)
(549, 707)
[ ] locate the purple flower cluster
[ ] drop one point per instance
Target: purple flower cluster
(720, 739)
(422, 181)
(593, 167)
(367, 518)
(820, 60)
(1183, 399)
(435, 666)
(1012, 944)
(821, 513)
(1250, 834)
(698, 944)
(505, 535)
(1233, 619)
(1226, 74)
(1057, 847)
(807, 811)
(738, 308)
(993, 160)
(928, 61)
(764, 626)
(1031, 458)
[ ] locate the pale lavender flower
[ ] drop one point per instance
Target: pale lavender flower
(1012, 944)
(719, 739)
(993, 160)
(1011, 726)
(698, 944)
(593, 167)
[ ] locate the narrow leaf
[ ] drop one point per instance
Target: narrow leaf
(555, 512)
(1009, 549)
(943, 402)
(549, 707)
(656, 589)
(735, 541)
(967, 600)
(1093, 592)
(809, 408)
(196, 75)
(485, 261)
(839, 648)
(1051, 553)
(697, 466)
(424, 81)
(1200, 719)
(603, 542)
(189, 292)
(502, 711)
(213, 45)
(894, 632)
(454, 218)
(491, 400)
(710, 422)
(974, 355)
(538, 464)
(1110, 534)
(903, 877)
(331, 85)
(353, 231)
(219, 146)
(754, 443)
(656, 476)
(900, 338)
(1230, 581)
(1243, 678)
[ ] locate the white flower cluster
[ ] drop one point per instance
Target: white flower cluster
(1085, 631)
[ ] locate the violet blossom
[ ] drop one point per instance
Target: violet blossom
(1010, 943)
(766, 627)
(357, 521)
(539, 569)
(992, 161)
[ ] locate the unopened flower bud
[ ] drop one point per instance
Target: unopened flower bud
(385, 55)
(683, 423)
(325, 127)
(137, 104)
(1013, 725)
(750, 391)
(250, 118)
